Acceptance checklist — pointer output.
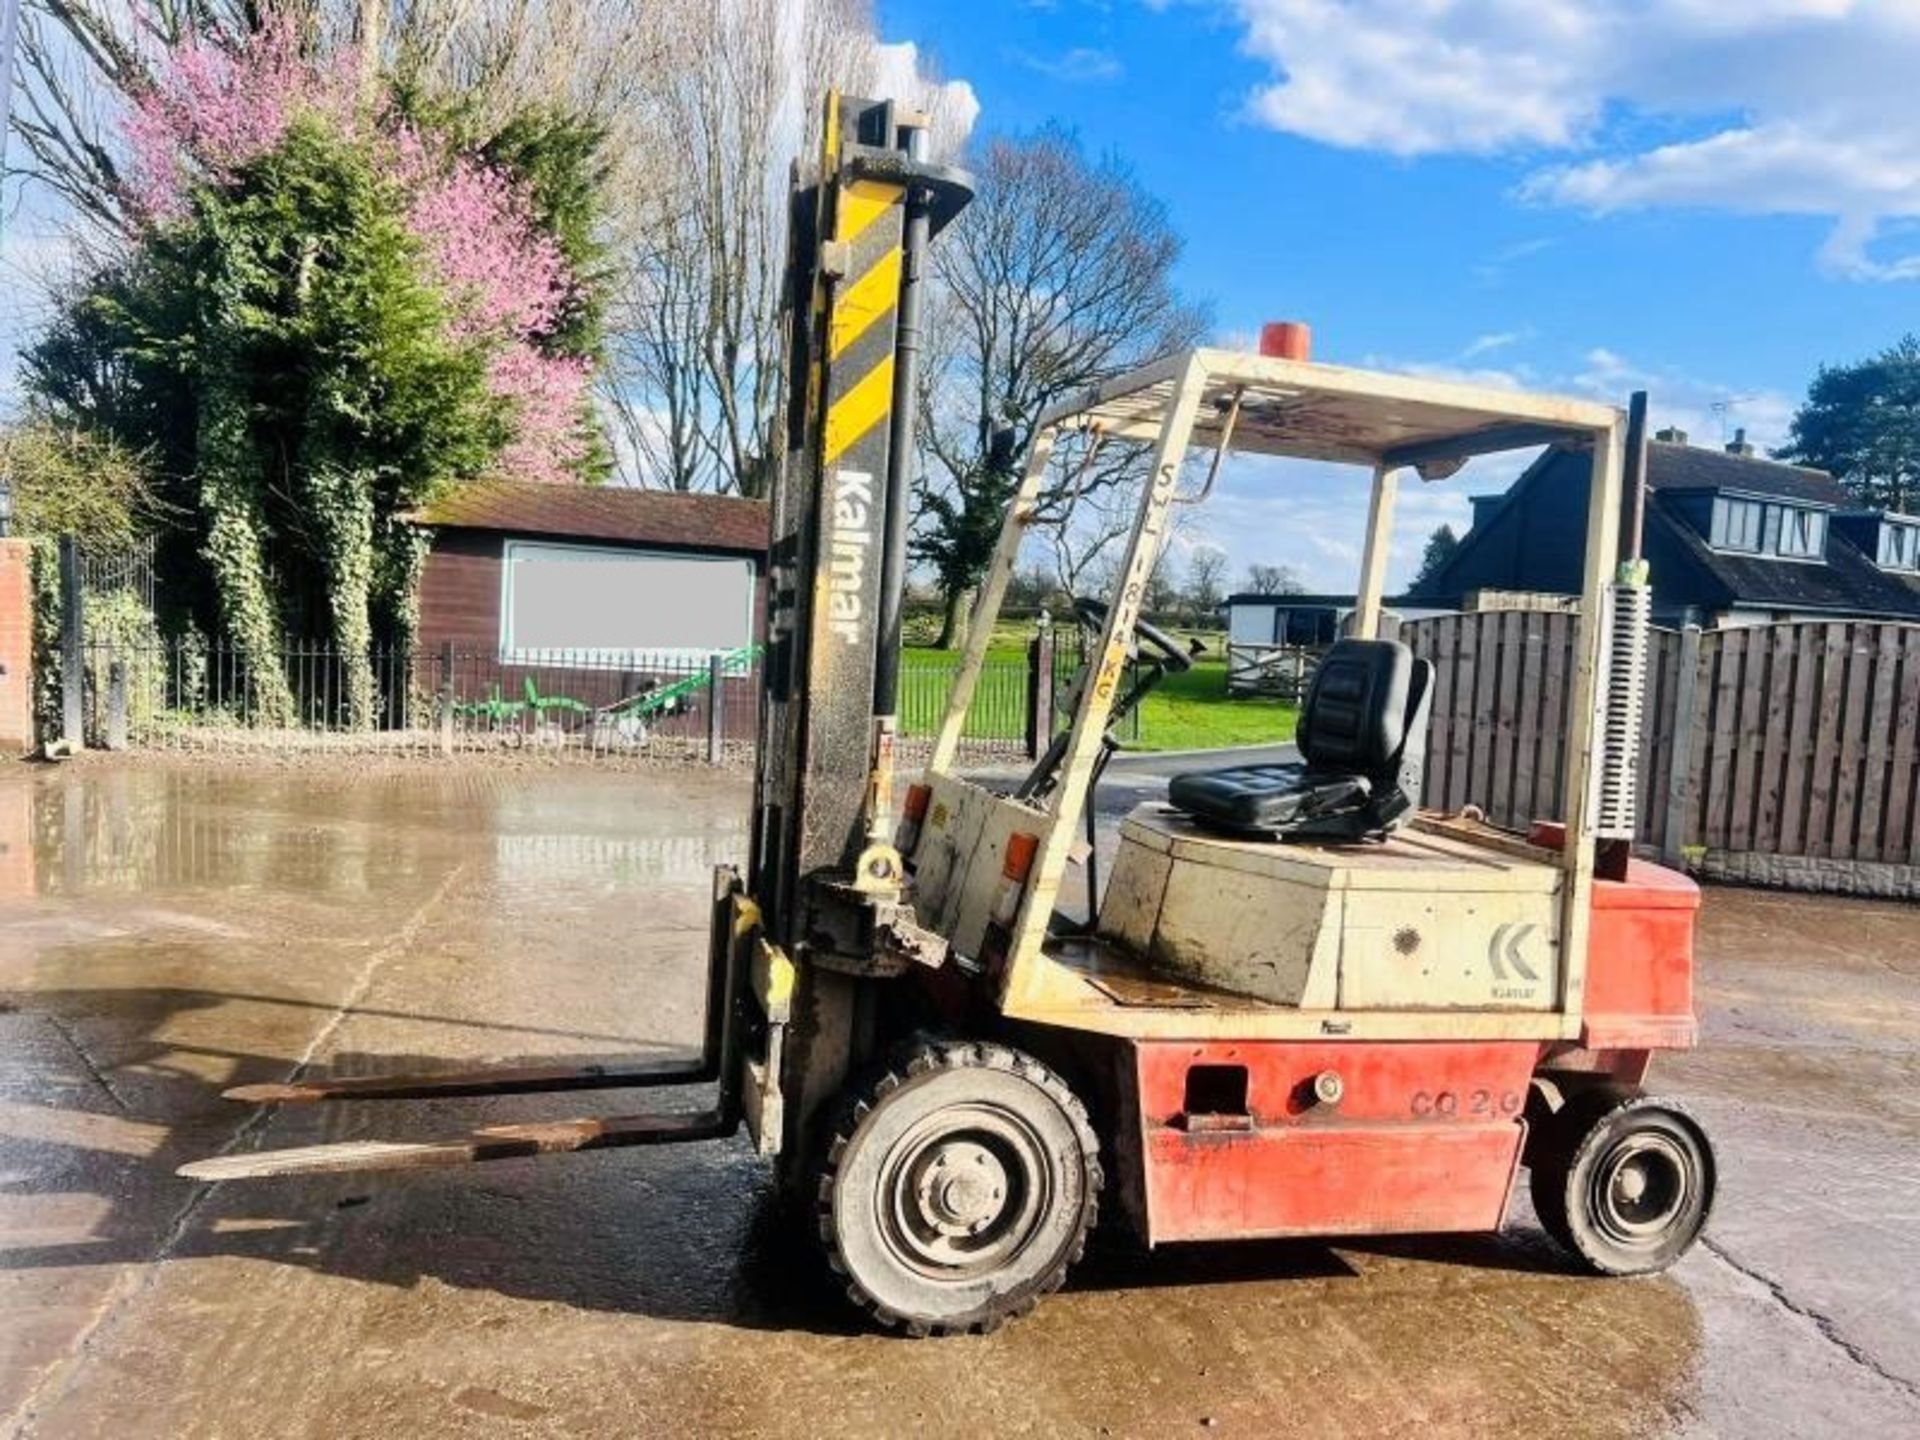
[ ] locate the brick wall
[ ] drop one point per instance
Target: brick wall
(16, 647)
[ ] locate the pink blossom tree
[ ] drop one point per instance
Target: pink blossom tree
(508, 285)
(216, 108)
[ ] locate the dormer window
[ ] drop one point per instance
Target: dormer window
(1737, 525)
(1899, 545)
(1802, 534)
(1758, 527)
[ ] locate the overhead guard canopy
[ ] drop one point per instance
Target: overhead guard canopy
(1311, 411)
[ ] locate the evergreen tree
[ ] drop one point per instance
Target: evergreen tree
(1441, 546)
(331, 312)
(1861, 423)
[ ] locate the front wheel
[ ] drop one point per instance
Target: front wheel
(1624, 1180)
(958, 1188)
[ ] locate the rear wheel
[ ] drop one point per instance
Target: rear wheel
(958, 1188)
(1624, 1181)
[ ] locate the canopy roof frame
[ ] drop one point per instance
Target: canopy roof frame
(1309, 411)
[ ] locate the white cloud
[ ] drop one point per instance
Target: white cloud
(1514, 377)
(899, 72)
(1709, 413)
(1493, 269)
(1312, 518)
(1081, 65)
(1498, 340)
(1703, 408)
(1800, 107)
(1415, 77)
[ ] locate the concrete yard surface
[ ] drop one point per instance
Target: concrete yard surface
(166, 931)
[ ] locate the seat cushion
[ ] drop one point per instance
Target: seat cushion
(1262, 797)
(1355, 716)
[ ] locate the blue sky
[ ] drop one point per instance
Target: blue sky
(1702, 198)
(1705, 198)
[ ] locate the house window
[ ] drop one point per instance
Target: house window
(637, 606)
(1899, 546)
(1803, 534)
(1753, 527)
(1737, 524)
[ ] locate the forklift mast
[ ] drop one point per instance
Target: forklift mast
(823, 871)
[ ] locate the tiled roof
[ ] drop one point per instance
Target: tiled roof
(604, 512)
(1848, 582)
(1695, 467)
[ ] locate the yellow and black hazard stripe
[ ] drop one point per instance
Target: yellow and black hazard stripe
(861, 315)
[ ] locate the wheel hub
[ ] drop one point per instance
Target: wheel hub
(962, 1189)
(1644, 1188)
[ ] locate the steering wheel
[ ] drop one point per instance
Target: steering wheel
(1172, 654)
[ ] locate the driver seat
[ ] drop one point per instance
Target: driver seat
(1363, 736)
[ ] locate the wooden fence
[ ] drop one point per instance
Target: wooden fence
(1788, 740)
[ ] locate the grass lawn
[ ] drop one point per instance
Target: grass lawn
(1190, 711)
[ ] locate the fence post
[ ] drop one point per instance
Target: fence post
(716, 706)
(446, 697)
(1040, 688)
(116, 705)
(1680, 765)
(73, 714)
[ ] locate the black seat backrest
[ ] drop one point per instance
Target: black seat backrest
(1363, 734)
(1357, 710)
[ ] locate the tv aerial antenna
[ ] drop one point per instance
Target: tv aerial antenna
(1724, 407)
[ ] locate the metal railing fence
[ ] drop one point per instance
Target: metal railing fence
(185, 695)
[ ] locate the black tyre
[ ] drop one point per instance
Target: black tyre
(958, 1188)
(1547, 1157)
(1624, 1181)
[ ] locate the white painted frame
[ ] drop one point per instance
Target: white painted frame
(1036, 987)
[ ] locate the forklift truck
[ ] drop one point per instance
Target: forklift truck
(1300, 1006)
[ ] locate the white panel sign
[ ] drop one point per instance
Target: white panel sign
(600, 602)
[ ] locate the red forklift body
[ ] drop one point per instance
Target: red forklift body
(1640, 961)
(1275, 1138)
(1418, 1136)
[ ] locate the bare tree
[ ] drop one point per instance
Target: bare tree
(1163, 584)
(83, 61)
(695, 364)
(1031, 587)
(1206, 581)
(78, 60)
(1090, 511)
(1056, 277)
(1273, 580)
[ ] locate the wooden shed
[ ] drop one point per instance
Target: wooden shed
(603, 574)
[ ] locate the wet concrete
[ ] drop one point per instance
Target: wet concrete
(164, 933)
